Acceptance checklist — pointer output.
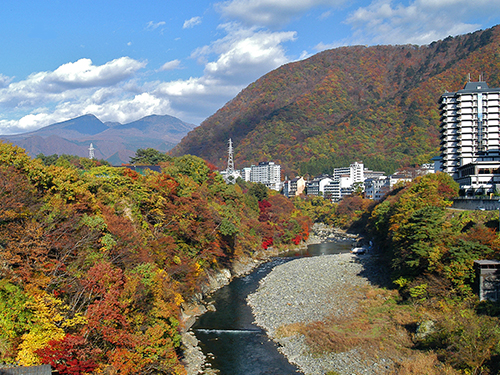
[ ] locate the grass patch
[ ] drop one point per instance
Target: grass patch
(376, 324)
(289, 330)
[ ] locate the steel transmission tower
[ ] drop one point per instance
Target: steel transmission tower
(91, 152)
(230, 161)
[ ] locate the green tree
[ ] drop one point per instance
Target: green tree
(420, 246)
(149, 156)
(259, 191)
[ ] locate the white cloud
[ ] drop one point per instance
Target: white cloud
(115, 92)
(192, 22)
(419, 22)
(273, 13)
(244, 55)
(69, 91)
(83, 74)
(111, 105)
(68, 81)
(170, 65)
(4, 80)
(154, 25)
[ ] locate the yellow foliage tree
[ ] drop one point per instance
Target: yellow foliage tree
(47, 315)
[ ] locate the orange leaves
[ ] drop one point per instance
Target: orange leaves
(131, 174)
(17, 195)
(126, 361)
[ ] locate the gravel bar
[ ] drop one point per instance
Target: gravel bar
(309, 289)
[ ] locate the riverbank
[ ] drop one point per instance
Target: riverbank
(194, 359)
(310, 289)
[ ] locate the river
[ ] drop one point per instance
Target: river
(233, 344)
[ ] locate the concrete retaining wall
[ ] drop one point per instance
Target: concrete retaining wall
(476, 203)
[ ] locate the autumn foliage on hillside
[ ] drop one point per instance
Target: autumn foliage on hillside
(96, 261)
(377, 104)
(431, 251)
(421, 312)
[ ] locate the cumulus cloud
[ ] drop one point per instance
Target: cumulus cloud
(418, 22)
(69, 91)
(192, 22)
(68, 80)
(114, 91)
(107, 104)
(242, 56)
(170, 65)
(245, 53)
(4, 80)
(271, 13)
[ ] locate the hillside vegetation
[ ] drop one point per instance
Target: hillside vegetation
(428, 319)
(376, 104)
(96, 262)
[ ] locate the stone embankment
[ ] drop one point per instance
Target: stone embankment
(307, 290)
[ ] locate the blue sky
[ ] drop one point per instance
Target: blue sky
(124, 59)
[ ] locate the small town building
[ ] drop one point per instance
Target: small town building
(376, 188)
(316, 187)
(294, 187)
(267, 173)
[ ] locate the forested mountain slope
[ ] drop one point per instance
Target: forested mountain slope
(376, 104)
(96, 262)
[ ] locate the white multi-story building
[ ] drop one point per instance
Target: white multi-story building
(245, 173)
(376, 188)
(355, 172)
(317, 185)
(340, 187)
(344, 181)
(267, 173)
(470, 141)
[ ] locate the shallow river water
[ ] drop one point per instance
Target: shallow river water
(228, 336)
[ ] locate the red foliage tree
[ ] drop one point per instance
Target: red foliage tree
(70, 355)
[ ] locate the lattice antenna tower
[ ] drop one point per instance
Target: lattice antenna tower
(91, 152)
(230, 162)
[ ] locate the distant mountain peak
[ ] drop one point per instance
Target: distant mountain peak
(110, 140)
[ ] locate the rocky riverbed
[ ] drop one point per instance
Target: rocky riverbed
(309, 289)
(327, 233)
(194, 359)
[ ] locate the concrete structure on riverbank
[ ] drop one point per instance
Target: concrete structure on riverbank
(476, 203)
(22, 370)
(487, 279)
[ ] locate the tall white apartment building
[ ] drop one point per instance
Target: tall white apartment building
(268, 174)
(355, 172)
(470, 142)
